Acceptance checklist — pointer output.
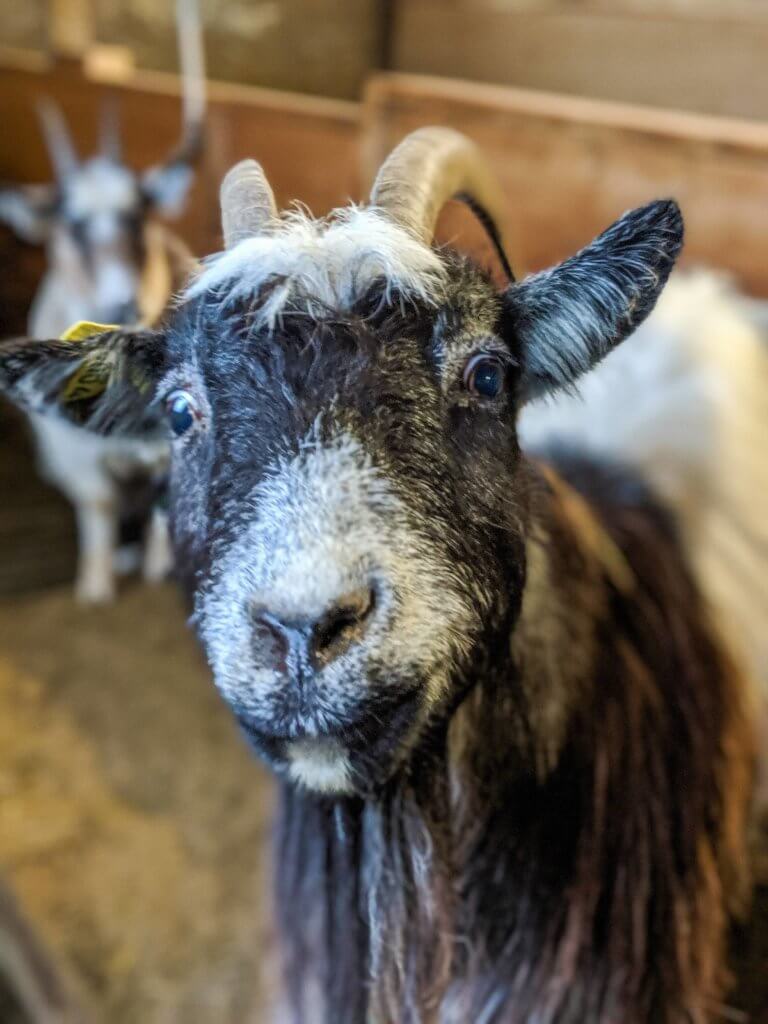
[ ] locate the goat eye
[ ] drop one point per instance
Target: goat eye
(181, 411)
(484, 376)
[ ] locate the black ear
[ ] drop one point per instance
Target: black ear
(565, 320)
(105, 383)
(29, 210)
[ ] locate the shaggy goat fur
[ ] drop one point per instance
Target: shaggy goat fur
(476, 888)
(514, 758)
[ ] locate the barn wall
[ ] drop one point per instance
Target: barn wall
(699, 55)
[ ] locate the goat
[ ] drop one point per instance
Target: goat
(109, 261)
(514, 754)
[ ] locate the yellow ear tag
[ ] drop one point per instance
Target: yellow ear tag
(86, 329)
(89, 379)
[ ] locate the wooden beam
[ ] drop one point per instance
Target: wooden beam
(70, 27)
(701, 55)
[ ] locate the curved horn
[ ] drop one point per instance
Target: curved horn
(60, 147)
(247, 203)
(429, 167)
(109, 130)
(192, 59)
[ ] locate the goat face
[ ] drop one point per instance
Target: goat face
(345, 492)
(97, 239)
(347, 498)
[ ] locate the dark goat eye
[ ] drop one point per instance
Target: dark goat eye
(181, 411)
(484, 376)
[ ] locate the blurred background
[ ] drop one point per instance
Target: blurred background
(133, 821)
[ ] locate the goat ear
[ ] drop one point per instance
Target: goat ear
(166, 186)
(104, 383)
(29, 211)
(565, 320)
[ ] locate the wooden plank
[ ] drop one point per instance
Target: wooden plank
(24, 25)
(570, 166)
(708, 57)
(70, 26)
(37, 532)
(723, 10)
(325, 47)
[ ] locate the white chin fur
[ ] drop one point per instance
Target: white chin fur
(321, 765)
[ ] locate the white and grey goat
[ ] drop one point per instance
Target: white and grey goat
(109, 261)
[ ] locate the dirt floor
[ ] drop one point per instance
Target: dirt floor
(133, 819)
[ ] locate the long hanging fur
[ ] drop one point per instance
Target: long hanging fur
(595, 894)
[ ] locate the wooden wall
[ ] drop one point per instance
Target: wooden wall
(325, 47)
(569, 166)
(321, 47)
(700, 55)
(23, 25)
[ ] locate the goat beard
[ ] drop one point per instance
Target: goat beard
(366, 903)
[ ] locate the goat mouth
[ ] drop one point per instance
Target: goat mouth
(371, 740)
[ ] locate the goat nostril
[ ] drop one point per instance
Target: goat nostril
(342, 625)
(272, 639)
(285, 642)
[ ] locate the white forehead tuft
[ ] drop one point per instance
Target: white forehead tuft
(101, 186)
(334, 261)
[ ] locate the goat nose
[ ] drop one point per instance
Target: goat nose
(318, 641)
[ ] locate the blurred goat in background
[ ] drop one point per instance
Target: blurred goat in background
(110, 261)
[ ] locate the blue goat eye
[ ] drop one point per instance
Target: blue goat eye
(181, 411)
(484, 376)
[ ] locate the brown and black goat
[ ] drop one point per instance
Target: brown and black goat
(514, 756)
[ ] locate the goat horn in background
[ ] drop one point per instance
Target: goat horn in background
(247, 203)
(58, 140)
(189, 30)
(109, 130)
